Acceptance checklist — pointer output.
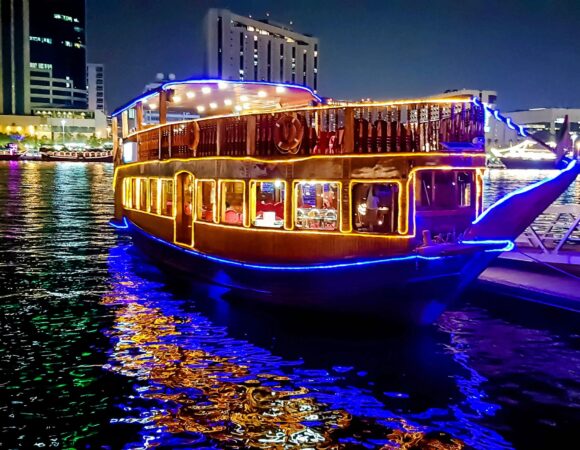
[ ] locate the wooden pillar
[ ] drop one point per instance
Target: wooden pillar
(139, 116)
(125, 124)
(289, 205)
(220, 136)
(251, 135)
(348, 130)
(115, 137)
(162, 107)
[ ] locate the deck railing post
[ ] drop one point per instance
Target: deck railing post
(348, 130)
(251, 135)
(139, 116)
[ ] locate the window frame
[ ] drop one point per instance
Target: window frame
(157, 183)
(295, 184)
(254, 202)
(400, 225)
(142, 181)
(161, 209)
(200, 198)
(222, 201)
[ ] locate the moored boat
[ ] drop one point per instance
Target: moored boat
(367, 207)
(91, 155)
(10, 154)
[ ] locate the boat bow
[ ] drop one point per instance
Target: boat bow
(511, 215)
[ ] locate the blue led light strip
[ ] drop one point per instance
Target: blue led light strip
(123, 226)
(570, 166)
(508, 246)
(495, 113)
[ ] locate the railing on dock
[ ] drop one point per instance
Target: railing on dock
(423, 127)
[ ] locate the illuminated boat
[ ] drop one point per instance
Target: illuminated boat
(91, 155)
(373, 207)
(11, 153)
(526, 155)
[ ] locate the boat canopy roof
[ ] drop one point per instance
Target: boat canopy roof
(202, 98)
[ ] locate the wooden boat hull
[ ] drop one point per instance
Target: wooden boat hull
(7, 157)
(107, 159)
(404, 290)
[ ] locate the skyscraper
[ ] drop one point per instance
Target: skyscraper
(14, 58)
(96, 87)
(240, 48)
(57, 54)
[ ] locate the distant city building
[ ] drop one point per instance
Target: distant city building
(57, 54)
(485, 96)
(548, 121)
(14, 60)
(96, 87)
(74, 125)
(241, 48)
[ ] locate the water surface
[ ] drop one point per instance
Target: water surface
(101, 349)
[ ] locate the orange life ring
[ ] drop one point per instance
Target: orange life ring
(288, 133)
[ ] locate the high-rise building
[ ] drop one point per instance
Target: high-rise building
(57, 54)
(241, 48)
(14, 58)
(96, 87)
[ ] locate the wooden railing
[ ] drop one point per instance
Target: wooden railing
(357, 129)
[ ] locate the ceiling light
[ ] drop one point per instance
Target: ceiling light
(244, 98)
(153, 106)
(200, 108)
(222, 85)
(246, 106)
(262, 94)
(190, 94)
(176, 99)
(213, 105)
(280, 89)
(206, 90)
(227, 102)
(238, 108)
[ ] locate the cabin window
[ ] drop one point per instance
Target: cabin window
(464, 184)
(167, 198)
(143, 194)
(444, 189)
(268, 209)
(205, 201)
(133, 192)
(154, 196)
(232, 202)
(375, 207)
(317, 205)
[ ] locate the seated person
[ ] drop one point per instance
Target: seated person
(233, 214)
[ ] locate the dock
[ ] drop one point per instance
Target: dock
(545, 265)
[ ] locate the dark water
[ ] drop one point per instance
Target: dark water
(100, 349)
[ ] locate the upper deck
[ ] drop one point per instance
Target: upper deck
(209, 118)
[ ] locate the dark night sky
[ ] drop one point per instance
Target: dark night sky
(528, 50)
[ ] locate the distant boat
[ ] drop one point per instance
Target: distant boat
(92, 155)
(10, 154)
(525, 155)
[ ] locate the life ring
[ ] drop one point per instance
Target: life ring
(288, 133)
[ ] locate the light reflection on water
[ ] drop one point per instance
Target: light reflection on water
(99, 348)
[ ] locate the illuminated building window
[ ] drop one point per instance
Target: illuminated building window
(154, 196)
(375, 207)
(444, 189)
(268, 205)
(43, 40)
(167, 198)
(143, 194)
(317, 205)
(205, 201)
(233, 199)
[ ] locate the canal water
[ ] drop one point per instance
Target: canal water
(101, 349)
